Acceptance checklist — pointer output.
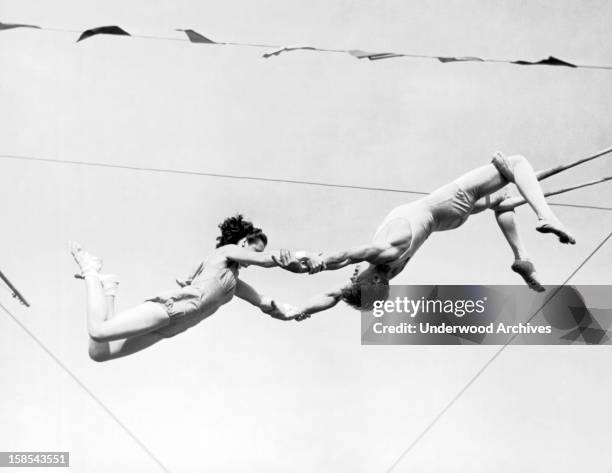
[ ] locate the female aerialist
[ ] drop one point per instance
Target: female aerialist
(407, 227)
(214, 282)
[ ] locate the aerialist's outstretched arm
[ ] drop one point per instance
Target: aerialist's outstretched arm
(266, 259)
(318, 303)
(375, 253)
(266, 304)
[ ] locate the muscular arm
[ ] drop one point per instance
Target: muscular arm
(375, 253)
(318, 303)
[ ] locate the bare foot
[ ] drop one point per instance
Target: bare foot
(557, 228)
(526, 270)
(87, 263)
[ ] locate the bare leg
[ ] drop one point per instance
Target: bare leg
(138, 320)
(524, 177)
(507, 224)
(491, 178)
(98, 351)
(110, 284)
(101, 308)
(142, 319)
(105, 351)
(522, 265)
(97, 308)
(120, 348)
(110, 306)
(529, 187)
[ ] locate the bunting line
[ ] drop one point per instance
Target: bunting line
(195, 37)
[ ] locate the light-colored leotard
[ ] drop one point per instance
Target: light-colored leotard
(210, 286)
(411, 224)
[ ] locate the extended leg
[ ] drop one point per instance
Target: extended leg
(120, 348)
(513, 202)
(522, 265)
(110, 282)
(518, 170)
(145, 318)
(138, 320)
(97, 310)
(105, 351)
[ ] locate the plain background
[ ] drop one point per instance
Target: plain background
(241, 391)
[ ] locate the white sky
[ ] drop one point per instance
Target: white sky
(242, 392)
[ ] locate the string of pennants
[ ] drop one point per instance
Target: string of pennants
(195, 37)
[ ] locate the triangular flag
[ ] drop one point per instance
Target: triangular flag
(114, 30)
(289, 48)
(549, 61)
(8, 26)
(196, 37)
(459, 59)
(372, 56)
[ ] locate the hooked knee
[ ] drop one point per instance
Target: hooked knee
(505, 165)
(98, 335)
(517, 160)
(98, 354)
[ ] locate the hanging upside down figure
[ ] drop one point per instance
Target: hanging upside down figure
(213, 284)
(407, 227)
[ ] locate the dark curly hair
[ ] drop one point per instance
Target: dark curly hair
(233, 229)
(353, 294)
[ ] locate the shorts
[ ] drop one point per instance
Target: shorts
(182, 306)
(181, 302)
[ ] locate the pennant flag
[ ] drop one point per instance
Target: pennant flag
(550, 61)
(114, 30)
(459, 59)
(8, 26)
(372, 56)
(196, 37)
(289, 48)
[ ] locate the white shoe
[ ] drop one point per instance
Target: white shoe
(88, 263)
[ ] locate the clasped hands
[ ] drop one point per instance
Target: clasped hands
(284, 311)
(300, 262)
(304, 263)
